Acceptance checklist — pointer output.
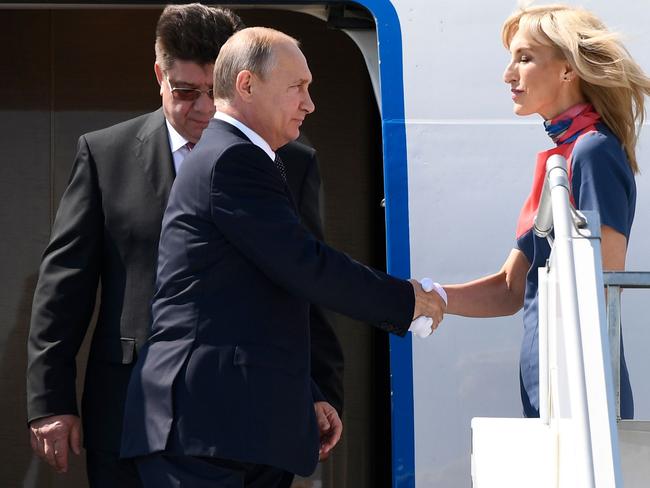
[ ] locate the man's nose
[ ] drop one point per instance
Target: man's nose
(307, 104)
(204, 103)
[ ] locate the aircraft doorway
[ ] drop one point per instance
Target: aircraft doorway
(81, 69)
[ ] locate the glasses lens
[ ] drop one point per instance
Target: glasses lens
(186, 94)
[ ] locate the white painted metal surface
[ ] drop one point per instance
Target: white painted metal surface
(576, 437)
(470, 168)
(470, 165)
(563, 259)
(513, 453)
(635, 452)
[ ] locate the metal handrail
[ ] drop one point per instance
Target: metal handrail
(627, 279)
(615, 281)
(562, 219)
(592, 411)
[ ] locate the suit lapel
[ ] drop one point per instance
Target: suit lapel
(234, 130)
(154, 155)
(287, 189)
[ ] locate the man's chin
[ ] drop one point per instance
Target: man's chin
(194, 136)
(197, 129)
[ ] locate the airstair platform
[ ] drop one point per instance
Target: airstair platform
(518, 453)
(579, 441)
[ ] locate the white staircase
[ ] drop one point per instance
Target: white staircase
(579, 440)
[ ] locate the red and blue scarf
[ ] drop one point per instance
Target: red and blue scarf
(565, 130)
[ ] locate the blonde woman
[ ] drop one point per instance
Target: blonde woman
(568, 68)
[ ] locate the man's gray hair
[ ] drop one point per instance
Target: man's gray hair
(249, 49)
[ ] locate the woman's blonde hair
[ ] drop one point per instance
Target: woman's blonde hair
(609, 78)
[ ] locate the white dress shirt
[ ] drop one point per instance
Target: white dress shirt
(248, 132)
(177, 145)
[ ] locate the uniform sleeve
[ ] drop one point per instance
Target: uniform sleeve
(602, 180)
(64, 297)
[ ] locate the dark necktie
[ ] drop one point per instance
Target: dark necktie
(280, 165)
(189, 146)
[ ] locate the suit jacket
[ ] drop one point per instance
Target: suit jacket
(303, 178)
(107, 230)
(226, 372)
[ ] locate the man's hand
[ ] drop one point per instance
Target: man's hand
(428, 304)
(51, 436)
(329, 426)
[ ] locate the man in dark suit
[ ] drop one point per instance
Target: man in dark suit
(107, 230)
(221, 395)
(303, 178)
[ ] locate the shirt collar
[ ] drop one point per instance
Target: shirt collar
(176, 141)
(254, 137)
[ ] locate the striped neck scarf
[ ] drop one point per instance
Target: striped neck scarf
(568, 126)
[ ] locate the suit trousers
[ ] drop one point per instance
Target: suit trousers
(171, 471)
(106, 470)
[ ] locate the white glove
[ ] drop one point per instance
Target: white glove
(421, 326)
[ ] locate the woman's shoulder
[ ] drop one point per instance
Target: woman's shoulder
(599, 145)
(597, 140)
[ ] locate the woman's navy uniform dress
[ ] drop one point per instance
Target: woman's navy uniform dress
(601, 180)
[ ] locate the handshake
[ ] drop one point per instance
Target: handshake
(430, 306)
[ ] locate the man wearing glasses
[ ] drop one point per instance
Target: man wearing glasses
(106, 231)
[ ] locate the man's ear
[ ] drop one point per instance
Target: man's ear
(244, 84)
(159, 75)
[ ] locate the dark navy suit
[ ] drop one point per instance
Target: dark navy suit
(226, 370)
(107, 229)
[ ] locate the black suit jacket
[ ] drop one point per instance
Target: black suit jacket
(106, 230)
(226, 372)
(303, 178)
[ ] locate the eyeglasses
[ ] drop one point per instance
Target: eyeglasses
(188, 94)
